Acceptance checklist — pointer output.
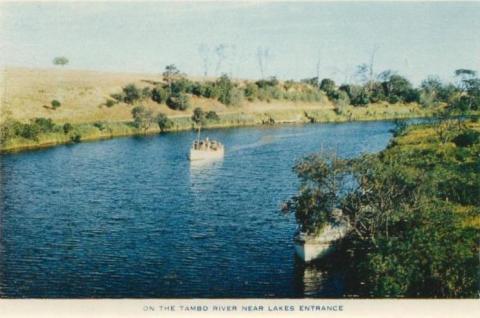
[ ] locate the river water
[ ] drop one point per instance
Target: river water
(131, 217)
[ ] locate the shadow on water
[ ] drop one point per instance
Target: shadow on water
(319, 278)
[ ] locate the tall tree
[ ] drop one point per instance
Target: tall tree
(171, 74)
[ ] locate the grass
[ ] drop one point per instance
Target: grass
(27, 94)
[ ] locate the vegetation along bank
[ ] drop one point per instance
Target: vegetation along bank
(41, 108)
(413, 209)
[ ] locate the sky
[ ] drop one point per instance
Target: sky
(414, 39)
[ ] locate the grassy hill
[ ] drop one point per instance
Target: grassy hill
(27, 94)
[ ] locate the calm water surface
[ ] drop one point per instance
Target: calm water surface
(130, 217)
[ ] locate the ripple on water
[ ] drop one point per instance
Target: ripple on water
(131, 217)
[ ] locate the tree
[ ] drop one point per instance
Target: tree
(159, 94)
(328, 86)
(178, 102)
(131, 93)
(199, 119)
(142, 118)
(227, 93)
(67, 127)
(212, 115)
(55, 104)
(323, 178)
(170, 74)
(60, 60)
(469, 86)
(198, 116)
(164, 122)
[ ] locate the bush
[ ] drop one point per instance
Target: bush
(264, 83)
(198, 116)
(45, 125)
(164, 122)
(101, 126)
(67, 127)
(159, 94)
(178, 102)
(110, 103)
(467, 138)
(55, 104)
(341, 103)
(251, 91)
(119, 97)
(146, 93)
(213, 116)
(131, 93)
(8, 129)
(76, 137)
(28, 131)
(142, 117)
(235, 98)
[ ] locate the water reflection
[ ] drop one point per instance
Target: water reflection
(203, 174)
(317, 279)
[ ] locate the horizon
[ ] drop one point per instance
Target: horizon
(295, 40)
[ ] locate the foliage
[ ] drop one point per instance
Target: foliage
(159, 95)
(407, 237)
(131, 93)
(199, 117)
(142, 117)
(55, 104)
(322, 178)
(228, 94)
(67, 127)
(110, 103)
(467, 138)
(164, 123)
(178, 102)
(60, 60)
(212, 116)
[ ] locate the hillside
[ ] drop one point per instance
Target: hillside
(29, 121)
(29, 92)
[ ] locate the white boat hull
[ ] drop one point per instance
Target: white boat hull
(311, 251)
(309, 248)
(196, 154)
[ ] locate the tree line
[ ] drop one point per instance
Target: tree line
(176, 91)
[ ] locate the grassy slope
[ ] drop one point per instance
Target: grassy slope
(420, 149)
(27, 94)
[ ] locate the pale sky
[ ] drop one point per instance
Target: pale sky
(415, 39)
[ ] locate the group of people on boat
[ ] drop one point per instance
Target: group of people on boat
(207, 145)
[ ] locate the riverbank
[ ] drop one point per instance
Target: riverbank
(106, 130)
(414, 214)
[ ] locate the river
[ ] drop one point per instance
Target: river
(131, 217)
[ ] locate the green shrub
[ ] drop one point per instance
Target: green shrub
(251, 91)
(101, 126)
(159, 94)
(55, 104)
(164, 122)
(76, 137)
(67, 127)
(110, 103)
(119, 97)
(213, 116)
(467, 138)
(45, 125)
(178, 102)
(131, 93)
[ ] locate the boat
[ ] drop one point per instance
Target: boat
(309, 247)
(206, 149)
